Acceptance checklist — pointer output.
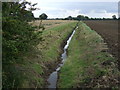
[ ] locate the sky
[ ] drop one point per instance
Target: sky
(65, 8)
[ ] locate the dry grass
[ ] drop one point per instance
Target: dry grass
(51, 23)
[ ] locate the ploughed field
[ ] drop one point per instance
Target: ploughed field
(108, 29)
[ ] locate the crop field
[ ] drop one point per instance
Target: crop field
(51, 23)
(108, 29)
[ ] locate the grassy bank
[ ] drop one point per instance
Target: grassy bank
(42, 59)
(88, 64)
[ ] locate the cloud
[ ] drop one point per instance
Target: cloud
(62, 13)
(66, 13)
(91, 9)
(101, 14)
(57, 12)
(48, 8)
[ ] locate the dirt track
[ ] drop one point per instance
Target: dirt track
(108, 29)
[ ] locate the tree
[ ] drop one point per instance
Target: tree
(103, 18)
(43, 16)
(18, 38)
(86, 17)
(70, 18)
(114, 17)
(81, 17)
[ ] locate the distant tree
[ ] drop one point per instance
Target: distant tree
(93, 18)
(103, 18)
(86, 17)
(70, 18)
(65, 18)
(57, 18)
(81, 17)
(114, 17)
(43, 16)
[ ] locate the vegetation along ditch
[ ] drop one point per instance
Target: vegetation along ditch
(49, 52)
(54, 75)
(88, 63)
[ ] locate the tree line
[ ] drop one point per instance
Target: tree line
(82, 17)
(79, 17)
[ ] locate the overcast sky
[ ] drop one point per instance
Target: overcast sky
(65, 8)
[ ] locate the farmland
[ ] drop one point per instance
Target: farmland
(50, 23)
(58, 50)
(88, 64)
(108, 29)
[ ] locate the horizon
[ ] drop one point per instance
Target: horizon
(65, 9)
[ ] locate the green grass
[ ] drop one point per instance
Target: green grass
(45, 53)
(54, 37)
(84, 61)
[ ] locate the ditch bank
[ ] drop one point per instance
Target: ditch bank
(88, 64)
(53, 78)
(50, 65)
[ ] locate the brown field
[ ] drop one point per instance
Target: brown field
(51, 23)
(108, 29)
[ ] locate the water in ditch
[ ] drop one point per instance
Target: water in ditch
(52, 80)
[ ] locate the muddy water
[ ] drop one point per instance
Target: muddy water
(52, 80)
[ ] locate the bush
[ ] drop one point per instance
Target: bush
(18, 38)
